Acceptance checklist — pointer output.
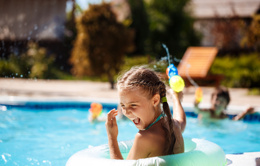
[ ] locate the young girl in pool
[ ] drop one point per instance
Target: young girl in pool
(141, 94)
(220, 99)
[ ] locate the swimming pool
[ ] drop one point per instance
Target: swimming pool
(48, 133)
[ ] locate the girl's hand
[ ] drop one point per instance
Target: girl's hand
(177, 95)
(111, 124)
(250, 110)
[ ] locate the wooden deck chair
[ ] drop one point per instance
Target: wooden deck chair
(196, 63)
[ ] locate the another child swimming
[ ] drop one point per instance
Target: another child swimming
(220, 99)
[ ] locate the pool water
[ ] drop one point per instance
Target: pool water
(31, 136)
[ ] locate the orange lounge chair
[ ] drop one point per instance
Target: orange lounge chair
(196, 63)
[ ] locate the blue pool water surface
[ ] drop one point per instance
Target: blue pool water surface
(47, 134)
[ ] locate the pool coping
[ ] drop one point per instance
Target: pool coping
(247, 158)
(14, 100)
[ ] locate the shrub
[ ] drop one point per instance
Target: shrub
(10, 67)
(252, 35)
(242, 71)
(35, 63)
(101, 43)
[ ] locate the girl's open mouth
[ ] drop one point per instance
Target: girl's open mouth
(136, 121)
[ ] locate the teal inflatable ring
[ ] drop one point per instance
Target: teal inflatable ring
(198, 152)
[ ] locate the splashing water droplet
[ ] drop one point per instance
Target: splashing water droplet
(3, 108)
(35, 27)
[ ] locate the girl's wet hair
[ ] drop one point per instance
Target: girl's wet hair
(221, 92)
(150, 83)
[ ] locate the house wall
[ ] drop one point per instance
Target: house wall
(32, 19)
(208, 15)
(205, 28)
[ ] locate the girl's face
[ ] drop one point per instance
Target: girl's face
(219, 103)
(138, 107)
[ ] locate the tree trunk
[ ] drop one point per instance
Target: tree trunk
(111, 80)
(112, 83)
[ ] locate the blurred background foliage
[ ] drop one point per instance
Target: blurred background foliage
(101, 43)
(242, 71)
(252, 34)
(170, 23)
(34, 63)
(99, 46)
(140, 24)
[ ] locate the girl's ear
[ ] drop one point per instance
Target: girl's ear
(156, 100)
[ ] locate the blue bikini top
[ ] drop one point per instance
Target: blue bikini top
(162, 115)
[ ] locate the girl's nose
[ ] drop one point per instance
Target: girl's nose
(127, 111)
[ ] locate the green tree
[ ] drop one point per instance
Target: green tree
(34, 63)
(101, 43)
(139, 24)
(171, 24)
(252, 36)
(37, 60)
(241, 71)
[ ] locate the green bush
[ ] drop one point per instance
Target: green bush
(10, 67)
(145, 60)
(242, 71)
(134, 61)
(171, 23)
(35, 63)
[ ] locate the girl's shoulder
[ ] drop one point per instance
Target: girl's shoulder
(152, 135)
(152, 141)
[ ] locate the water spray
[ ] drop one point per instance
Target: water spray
(175, 81)
(198, 92)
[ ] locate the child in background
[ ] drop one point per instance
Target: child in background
(96, 113)
(141, 94)
(220, 99)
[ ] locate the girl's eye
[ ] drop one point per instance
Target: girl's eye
(133, 106)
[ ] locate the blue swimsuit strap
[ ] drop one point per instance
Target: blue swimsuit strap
(159, 118)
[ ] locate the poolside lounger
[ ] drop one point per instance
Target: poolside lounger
(196, 63)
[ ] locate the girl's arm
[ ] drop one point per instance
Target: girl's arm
(200, 112)
(112, 133)
(249, 110)
(141, 147)
(178, 112)
(196, 107)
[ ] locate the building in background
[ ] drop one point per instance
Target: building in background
(219, 21)
(22, 21)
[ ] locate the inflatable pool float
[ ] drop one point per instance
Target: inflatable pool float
(198, 152)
